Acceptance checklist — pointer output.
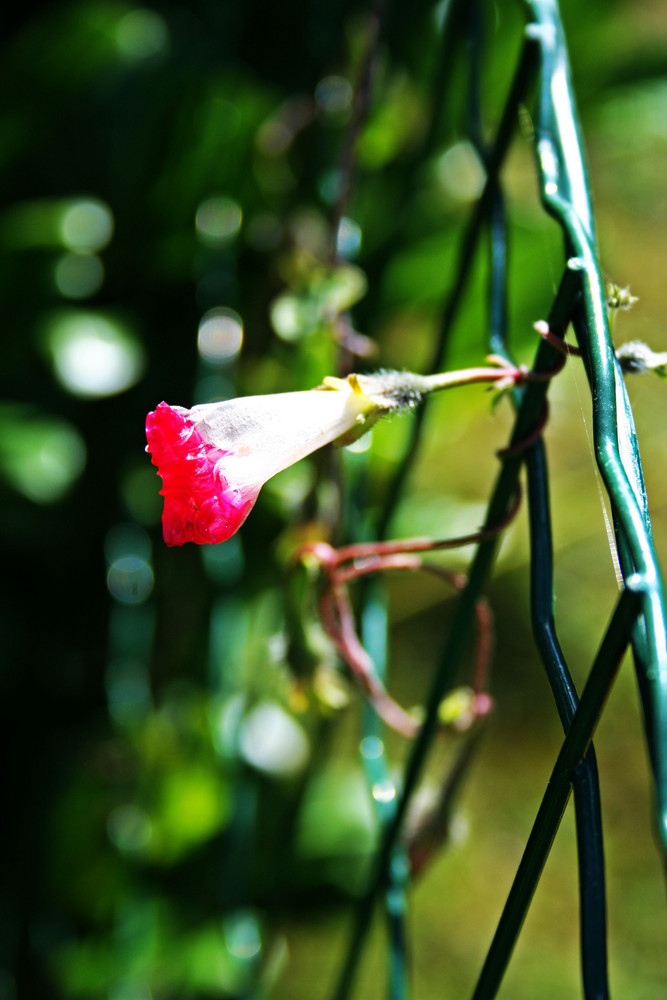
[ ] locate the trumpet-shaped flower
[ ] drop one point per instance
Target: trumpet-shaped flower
(215, 458)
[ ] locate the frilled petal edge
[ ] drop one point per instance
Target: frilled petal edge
(200, 504)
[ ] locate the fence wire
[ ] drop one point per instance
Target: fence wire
(542, 82)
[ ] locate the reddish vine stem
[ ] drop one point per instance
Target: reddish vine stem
(338, 621)
(529, 439)
(332, 558)
(349, 563)
(542, 327)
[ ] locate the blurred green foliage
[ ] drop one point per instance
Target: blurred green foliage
(183, 796)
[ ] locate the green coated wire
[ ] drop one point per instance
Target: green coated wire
(564, 191)
(374, 627)
(497, 510)
(573, 750)
(465, 258)
(372, 748)
(588, 815)
(590, 854)
(640, 613)
(529, 413)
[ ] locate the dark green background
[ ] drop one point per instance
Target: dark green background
(143, 855)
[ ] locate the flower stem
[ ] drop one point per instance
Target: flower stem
(464, 376)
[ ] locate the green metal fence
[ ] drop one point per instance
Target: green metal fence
(542, 83)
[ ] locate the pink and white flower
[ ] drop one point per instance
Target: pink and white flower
(215, 458)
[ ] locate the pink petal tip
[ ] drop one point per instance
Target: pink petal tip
(200, 505)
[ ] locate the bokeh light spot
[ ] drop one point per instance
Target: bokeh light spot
(127, 548)
(86, 225)
(348, 240)
(218, 220)
(329, 185)
(384, 791)
(334, 95)
(40, 457)
(272, 741)
(130, 579)
(220, 335)
(242, 935)
(93, 356)
(78, 275)
(461, 172)
(142, 33)
(129, 828)
(371, 748)
(289, 317)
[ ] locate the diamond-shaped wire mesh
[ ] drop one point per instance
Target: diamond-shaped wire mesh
(541, 82)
